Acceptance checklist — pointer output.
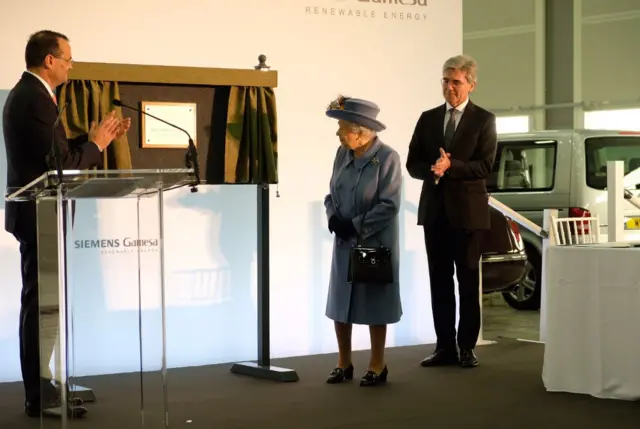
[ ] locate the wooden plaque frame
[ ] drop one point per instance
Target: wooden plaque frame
(173, 75)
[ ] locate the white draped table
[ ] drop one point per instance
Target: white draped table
(593, 321)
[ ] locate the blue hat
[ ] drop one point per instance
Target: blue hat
(361, 112)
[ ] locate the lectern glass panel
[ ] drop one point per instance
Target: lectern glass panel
(49, 313)
(101, 288)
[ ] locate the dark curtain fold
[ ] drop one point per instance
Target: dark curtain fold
(92, 101)
(251, 141)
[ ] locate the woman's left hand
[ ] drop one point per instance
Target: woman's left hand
(334, 223)
(345, 229)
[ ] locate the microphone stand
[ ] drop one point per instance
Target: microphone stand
(191, 161)
(190, 158)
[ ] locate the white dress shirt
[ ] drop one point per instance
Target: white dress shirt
(459, 112)
(46, 85)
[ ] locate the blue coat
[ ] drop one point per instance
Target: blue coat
(371, 184)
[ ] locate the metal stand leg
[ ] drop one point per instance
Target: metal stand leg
(262, 368)
(165, 374)
(546, 242)
(481, 341)
(74, 391)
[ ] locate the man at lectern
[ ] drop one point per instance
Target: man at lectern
(452, 151)
(31, 127)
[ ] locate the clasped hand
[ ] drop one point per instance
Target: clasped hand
(343, 229)
(442, 164)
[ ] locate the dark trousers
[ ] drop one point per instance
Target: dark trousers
(29, 332)
(447, 246)
(29, 327)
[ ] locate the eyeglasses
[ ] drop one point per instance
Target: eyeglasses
(69, 60)
(454, 82)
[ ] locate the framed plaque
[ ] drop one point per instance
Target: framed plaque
(159, 135)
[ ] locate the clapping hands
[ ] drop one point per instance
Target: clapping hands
(123, 127)
(110, 128)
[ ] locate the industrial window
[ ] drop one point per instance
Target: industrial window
(623, 119)
(512, 124)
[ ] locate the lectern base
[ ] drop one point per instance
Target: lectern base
(72, 412)
(84, 393)
(269, 372)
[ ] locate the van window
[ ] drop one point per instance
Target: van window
(523, 166)
(600, 150)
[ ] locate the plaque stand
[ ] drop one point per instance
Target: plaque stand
(263, 368)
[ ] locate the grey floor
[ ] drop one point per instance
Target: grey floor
(501, 321)
(504, 392)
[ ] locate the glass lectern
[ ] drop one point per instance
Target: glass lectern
(77, 268)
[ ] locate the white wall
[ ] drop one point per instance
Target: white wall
(388, 53)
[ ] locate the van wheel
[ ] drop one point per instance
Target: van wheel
(526, 295)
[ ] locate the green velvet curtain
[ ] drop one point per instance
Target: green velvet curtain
(92, 101)
(251, 141)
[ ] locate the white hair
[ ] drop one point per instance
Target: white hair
(463, 63)
(360, 129)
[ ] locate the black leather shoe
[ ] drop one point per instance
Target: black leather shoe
(468, 358)
(32, 410)
(373, 379)
(441, 357)
(339, 375)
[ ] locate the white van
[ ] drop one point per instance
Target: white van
(564, 170)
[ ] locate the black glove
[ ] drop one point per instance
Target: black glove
(343, 228)
(348, 230)
(334, 223)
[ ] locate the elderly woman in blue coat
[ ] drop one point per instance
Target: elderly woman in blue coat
(363, 202)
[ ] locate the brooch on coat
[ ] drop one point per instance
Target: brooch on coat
(374, 161)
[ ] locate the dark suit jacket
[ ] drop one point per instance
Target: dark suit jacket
(462, 189)
(28, 118)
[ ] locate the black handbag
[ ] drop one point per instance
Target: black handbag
(370, 264)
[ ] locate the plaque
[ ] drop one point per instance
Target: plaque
(159, 135)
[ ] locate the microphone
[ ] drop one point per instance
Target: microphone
(191, 157)
(55, 146)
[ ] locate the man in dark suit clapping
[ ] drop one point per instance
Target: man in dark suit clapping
(452, 151)
(29, 118)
